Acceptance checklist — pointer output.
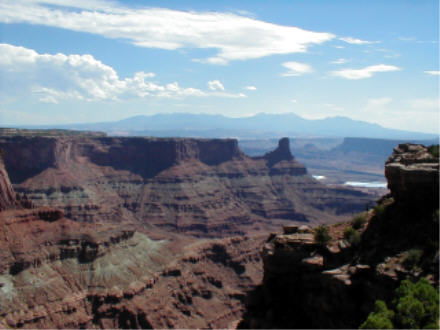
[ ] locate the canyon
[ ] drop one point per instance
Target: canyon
(105, 232)
(201, 187)
(308, 284)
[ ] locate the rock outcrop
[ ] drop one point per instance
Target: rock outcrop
(308, 285)
(7, 196)
(195, 186)
(413, 175)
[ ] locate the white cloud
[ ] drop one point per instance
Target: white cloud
(340, 61)
(366, 72)
(425, 103)
(433, 72)
(355, 41)
(215, 85)
(51, 78)
(296, 69)
(251, 88)
(235, 37)
(294, 101)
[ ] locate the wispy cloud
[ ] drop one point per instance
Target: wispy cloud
(366, 72)
(355, 41)
(340, 61)
(251, 88)
(425, 103)
(433, 72)
(52, 78)
(378, 102)
(296, 69)
(235, 37)
(215, 85)
(414, 39)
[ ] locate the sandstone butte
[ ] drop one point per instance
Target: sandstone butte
(144, 233)
(306, 285)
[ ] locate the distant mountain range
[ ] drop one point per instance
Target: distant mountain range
(259, 126)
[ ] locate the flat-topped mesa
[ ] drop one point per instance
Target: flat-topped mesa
(413, 175)
(144, 156)
(7, 196)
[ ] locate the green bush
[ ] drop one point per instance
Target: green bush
(412, 259)
(352, 236)
(359, 221)
(416, 306)
(379, 210)
(380, 318)
(349, 231)
(434, 150)
(322, 235)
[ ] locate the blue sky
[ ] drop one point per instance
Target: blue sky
(66, 61)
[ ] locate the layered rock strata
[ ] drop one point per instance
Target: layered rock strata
(58, 273)
(202, 187)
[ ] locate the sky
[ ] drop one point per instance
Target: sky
(77, 61)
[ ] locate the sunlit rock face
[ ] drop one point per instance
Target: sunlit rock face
(201, 187)
(105, 230)
(7, 196)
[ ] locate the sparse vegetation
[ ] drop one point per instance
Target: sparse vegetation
(434, 150)
(359, 221)
(379, 210)
(416, 306)
(352, 236)
(322, 235)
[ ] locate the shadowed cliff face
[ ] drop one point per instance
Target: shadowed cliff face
(196, 186)
(307, 285)
(413, 175)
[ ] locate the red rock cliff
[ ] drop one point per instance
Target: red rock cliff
(200, 186)
(7, 196)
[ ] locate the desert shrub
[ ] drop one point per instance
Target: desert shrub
(352, 236)
(412, 259)
(349, 231)
(322, 235)
(416, 306)
(359, 221)
(434, 150)
(355, 239)
(380, 318)
(379, 210)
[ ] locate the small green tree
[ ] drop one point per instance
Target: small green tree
(416, 306)
(380, 318)
(322, 235)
